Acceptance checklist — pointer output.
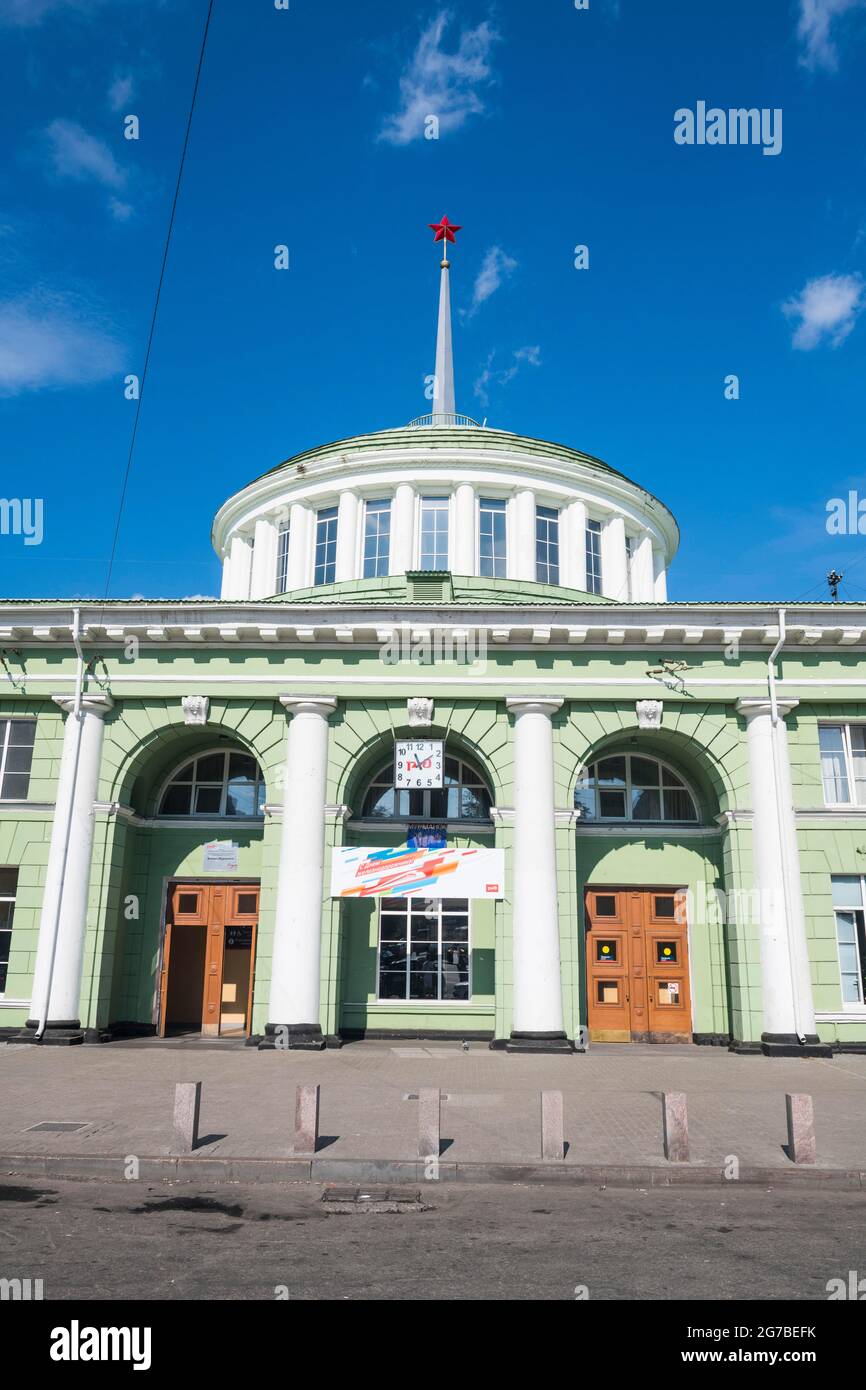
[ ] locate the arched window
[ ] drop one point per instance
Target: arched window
(630, 787)
(464, 796)
(216, 783)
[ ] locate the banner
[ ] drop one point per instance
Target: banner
(430, 873)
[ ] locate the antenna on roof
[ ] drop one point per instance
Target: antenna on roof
(834, 580)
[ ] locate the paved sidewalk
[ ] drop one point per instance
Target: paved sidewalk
(123, 1096)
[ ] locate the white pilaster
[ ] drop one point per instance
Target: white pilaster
(785, 975)
(241, 557)
(264, 569)
(614, 572)
(464, 544)
(226, 585)
(524, 540)
(300, 566)
(660, 578)
(63, 919)
(295, 967)
(572, 547)
(403, 529)
(643, 576)
(537, 980)
(348, 510)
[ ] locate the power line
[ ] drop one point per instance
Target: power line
(128, 470)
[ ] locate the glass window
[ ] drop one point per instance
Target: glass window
(16, 757)
(463, 797)
(834, 774)
(848, 899)
(424, 949)
(547, 545)
(631, 787)
(283, 558)
(434, 533)
(491, 537)
(630, 548)
(216, 784)
(8, 889)
(326, 546)
(377, 539)
(593, 557)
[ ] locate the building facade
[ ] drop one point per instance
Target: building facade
(630, 819)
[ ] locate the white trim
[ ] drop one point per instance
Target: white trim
(13, 1003)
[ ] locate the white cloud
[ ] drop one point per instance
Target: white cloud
(77, 155)
(27, 12)
(441, 84)
(120, 211)
(495, 266)
(827, 309)
(46, 341)
(503, 375)
(120, 92)
(814, 30)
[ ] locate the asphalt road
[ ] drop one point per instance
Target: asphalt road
(93, 1240)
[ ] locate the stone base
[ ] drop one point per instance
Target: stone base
(743, 1048)
(292, 1037)
(539, 1042)
(789, 1045)
(711, 1039)
(64, 1032)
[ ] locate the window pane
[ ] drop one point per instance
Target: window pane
(547, 545)
(612, 804)
(241, 799)
(326, 546)
(611, 772)
(208, 800)
(434, 533)
(858, 758)
(644, 772)
(646, 805)
(850, 966)
(491, 537)
(593, 557)
(379, 803)
(584, 796)
(22, 732)
(241, 765)
(678, 805)
(424, 973)
(210, 768)
(15, 785)
(833, 772)
(176, 800)
(377, 539)
(392, 984)
(8, 882)
(847, 891)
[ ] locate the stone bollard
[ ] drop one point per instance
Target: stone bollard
(801, 1128)
(187, 1100)
(306, 1120)
(552, 1138)
(675, 1124)
(429, 1123)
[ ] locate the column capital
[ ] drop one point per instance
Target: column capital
(91, 704)
(750, 707)
(323, 705)
(536, 704)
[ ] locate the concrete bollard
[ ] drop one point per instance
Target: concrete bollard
(801, 1128)
(429, 1123)
(675, 1124)
(306, 1120)
(552, 1137)
(187, 1100)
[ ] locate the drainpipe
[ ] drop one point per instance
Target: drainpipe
(42, 1014)
(774, 720)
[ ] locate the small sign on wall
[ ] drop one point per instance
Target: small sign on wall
(418, 763)
(220, 857)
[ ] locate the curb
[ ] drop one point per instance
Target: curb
(183, 1168)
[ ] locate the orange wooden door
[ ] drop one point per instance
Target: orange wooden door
(667, 966)
(163, 981)
(607, 966)
(213, 969)
(637, 966)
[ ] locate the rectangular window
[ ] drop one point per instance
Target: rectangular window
(491, 537)
(377, 539)
(843, 763)
(283, 559)
(326, 546)
(630, 548)
(547, 545)
(593, 557)
(850, 937)
(8, 889)
(424, 949)
(434, 533)
(16, 757)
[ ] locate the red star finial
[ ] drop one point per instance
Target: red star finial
(444, 230)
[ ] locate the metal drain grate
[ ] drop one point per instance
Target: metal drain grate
(58, 1126)
(377, 1199)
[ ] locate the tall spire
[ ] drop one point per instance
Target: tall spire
(443, 384)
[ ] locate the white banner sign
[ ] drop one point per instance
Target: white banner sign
(425, 873)
(418, 763)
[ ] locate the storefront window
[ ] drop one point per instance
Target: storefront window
(424, 949)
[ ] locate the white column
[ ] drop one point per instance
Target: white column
(403, 529)
(295, 968)
(614, 571)
(348, 510)
(660, 578)
(226, 586)
(537, 1018)
(63, 920)
(263, 583)
(463, 545)
(300, 570)
(643, 575)
(524, 538)
(572, 545)
(241, 557)
(785, 976)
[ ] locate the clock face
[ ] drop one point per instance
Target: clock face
(418, 763)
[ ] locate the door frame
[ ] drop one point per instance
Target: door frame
(617, 887)
(163, 963)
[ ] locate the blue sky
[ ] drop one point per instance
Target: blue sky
(556, 129)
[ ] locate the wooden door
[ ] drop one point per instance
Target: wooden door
(637, 965)
(213, 969)
(163, 981)
(206, 914)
